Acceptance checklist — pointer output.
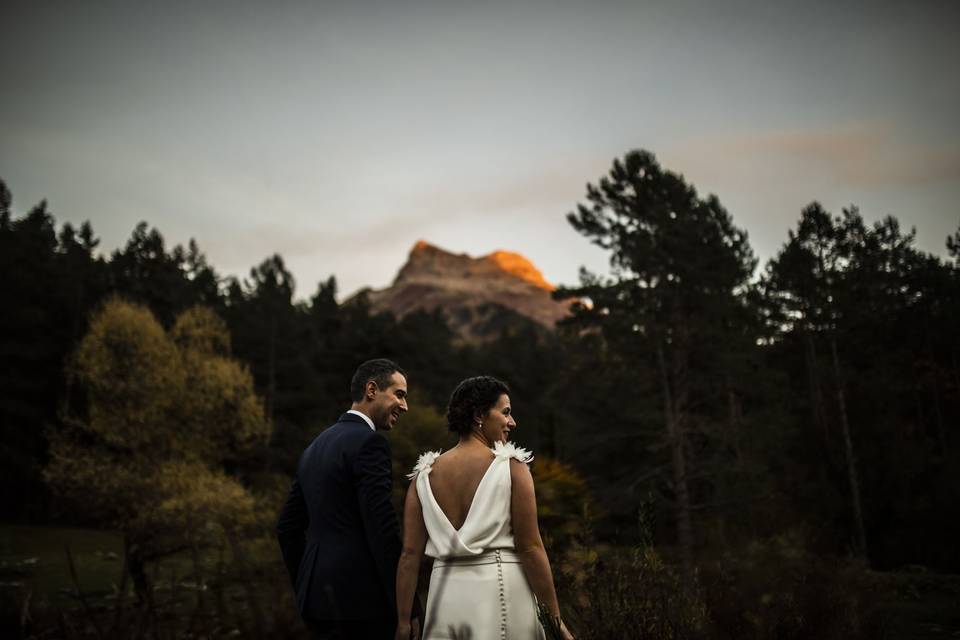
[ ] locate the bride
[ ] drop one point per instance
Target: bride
(474, 511)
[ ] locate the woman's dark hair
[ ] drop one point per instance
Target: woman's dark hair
(471, 397)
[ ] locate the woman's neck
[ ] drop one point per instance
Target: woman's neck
(474, 439)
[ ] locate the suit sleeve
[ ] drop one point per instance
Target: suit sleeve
(373, 471)
(291, 527)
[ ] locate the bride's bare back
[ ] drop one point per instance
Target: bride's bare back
(454, 480)
(440, 499)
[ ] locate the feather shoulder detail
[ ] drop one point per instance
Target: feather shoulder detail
(510, 450)
(424, 462)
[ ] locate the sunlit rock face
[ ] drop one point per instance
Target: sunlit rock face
(480, 297)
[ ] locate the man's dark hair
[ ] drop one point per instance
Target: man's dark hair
(473, 396)
(380, 370)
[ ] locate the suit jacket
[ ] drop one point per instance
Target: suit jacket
(338, 530)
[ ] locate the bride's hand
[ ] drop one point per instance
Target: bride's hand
(564, 632)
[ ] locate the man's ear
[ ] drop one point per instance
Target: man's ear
(370, 390)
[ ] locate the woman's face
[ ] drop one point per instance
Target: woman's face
(499, 421)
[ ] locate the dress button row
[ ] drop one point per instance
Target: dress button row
(503, 598)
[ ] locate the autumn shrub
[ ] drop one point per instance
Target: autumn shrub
(565, 514)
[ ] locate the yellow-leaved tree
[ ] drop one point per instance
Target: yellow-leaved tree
(166, 414)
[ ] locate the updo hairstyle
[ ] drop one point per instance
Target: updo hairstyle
(471, 397)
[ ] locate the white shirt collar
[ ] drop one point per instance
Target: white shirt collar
(364, 416)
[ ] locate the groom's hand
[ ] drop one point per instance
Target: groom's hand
(404, 631)
(408, 630)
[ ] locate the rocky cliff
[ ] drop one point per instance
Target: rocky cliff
(480, 297)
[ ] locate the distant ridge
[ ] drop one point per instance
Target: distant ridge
(480, 297)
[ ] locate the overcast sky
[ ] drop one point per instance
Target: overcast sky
(338, 134)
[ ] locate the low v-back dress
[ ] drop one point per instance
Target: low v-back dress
(478, 590)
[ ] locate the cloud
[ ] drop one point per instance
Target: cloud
(857, 156)
(548, 192)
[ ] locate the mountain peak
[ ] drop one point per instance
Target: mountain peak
(422, 246)
(427, 259)
(518, 265)
(479, 296)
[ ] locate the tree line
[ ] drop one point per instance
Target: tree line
(705, 402)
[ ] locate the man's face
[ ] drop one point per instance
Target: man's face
(389, 403)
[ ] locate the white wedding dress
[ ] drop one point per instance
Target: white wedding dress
(478, 590)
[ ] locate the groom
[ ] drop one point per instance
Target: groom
(338, 530)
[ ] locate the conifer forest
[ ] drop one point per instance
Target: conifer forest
(724, 448)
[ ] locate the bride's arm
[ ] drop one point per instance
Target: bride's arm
(526, 537)
(414, 543)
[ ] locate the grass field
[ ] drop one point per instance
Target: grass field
(37, 588)
(33, 560)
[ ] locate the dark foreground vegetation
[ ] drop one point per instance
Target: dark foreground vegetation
(723, 451)
(771, 589)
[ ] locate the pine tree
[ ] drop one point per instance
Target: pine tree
(678, 268)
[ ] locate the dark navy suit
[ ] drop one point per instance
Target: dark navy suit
(339, 534)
